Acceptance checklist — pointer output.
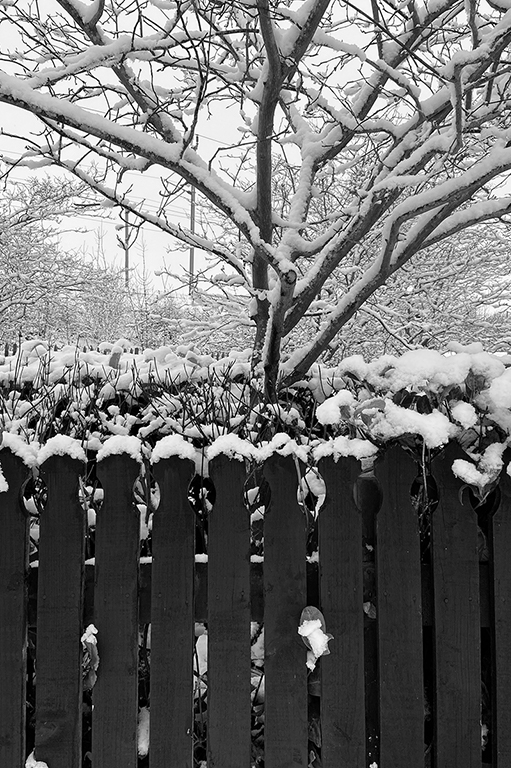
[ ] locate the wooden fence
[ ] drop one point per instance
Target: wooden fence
(420, 663)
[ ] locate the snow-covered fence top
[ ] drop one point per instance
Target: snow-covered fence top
(404, 568)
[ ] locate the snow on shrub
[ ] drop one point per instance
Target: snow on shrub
(177, 400)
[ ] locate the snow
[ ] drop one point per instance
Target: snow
(500, 390)
(232, 446)
(471, 349)
(31, 762)
(119, 444)
(26, 452)
(173, 445)
(469, 473)
(435, 427)
(143, 732)
(316, 640)
(489, 366)
(491, 459)
(61, 445)
(486, 471)
(465, 414)
(329, 412)
(284, 445)
(4, 486)
(345, 446)
(89, 636)
(424, 367)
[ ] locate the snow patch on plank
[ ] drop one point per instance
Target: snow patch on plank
(27, 452)
(119, 444)
(61, 445)
(173, 445)
(345, 446)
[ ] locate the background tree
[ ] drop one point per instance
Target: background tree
(415, 105)
(460, 292)
(36, 274)
(61, 295)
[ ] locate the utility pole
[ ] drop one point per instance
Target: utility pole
(192, 249)
(124, 243)
(126, 251)
(191, 268)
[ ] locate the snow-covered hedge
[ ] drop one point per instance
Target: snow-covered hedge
(422, 399)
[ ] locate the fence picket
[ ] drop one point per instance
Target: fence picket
(115, 695)
(456, 621)
(399, 614)
(229, 738)
(13, 612)
(58, 732)
(341, 590)
(285, 597)
(172, 618)
(501, 547)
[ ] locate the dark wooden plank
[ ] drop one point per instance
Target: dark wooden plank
(285, 595)
(367, 498)
(229, 738)
(58, 732)
(115, 695)
(457, 740)
(501, 582)
(13, 607)
(399, 615)
(341, 594)
(172, 618)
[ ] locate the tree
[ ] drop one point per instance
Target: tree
(461, 292)
(65, 296)
(411, 102)
(35, 272)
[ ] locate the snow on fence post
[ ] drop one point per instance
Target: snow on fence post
(58, 730)
(285, 596)
(13, 611)
(115, 694)
(399, 614)
(457, 620)
(341, 590)
(500, 531)
(172, 617)
(229, 737)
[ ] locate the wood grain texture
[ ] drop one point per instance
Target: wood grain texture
(58, 730)
(399, 614)
(457, 738)
(172, 618)
(115, 695)
(285, 597)
(341, 596)
(229, 737)
(501, 588)
(13, 611)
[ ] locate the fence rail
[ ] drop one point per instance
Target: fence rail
(419, 666)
